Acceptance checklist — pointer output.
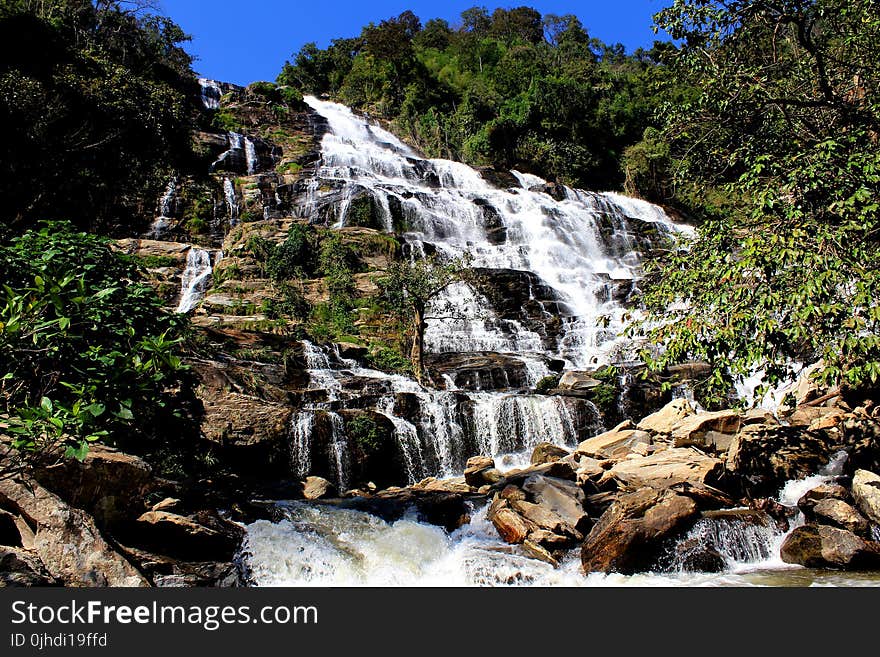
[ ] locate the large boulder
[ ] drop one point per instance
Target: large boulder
(547, 453)
(764, 457)
(866, 493)
(630, 535)
(563, 498)
(699, 430)
(829, 547)
(613, 444)
(108, 484)
(67, 541)
(318, 488)
(204, 536)
(667, 417)
(668, 468)
(840, 514)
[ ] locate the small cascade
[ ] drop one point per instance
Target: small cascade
(250, 152)
(340, 462)
(231, 200)
(241, 150)
(302, 425)
(747, 541)
(196, 278)
(165, 210)
(211, 93)
(514, 424)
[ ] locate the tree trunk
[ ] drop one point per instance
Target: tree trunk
(416, 355)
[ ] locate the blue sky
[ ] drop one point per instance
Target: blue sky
(242, 42)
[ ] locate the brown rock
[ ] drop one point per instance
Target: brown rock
(613, 444)
(693, 429)
(629, 535)
(819, 493)
(840, 514)
(67, 541)
(476, 465)
(188, 537)
(564, 498)
(866, 493)
(547, 453)
(668, 468)
(511, 526)
(109, 485)
(545, 519)
(318, 488)
(20, 568)
(829, 547)
(667, 417)
(537, 551)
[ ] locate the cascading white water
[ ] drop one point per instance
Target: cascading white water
(250, 153)
(231, 200)
(211, 93)
(196, 278)
(444, 204)
(328, 546)
(164, 212)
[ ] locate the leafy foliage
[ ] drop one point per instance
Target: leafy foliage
(87, 351)
(512, 89)
(408, 289)
(787, 122)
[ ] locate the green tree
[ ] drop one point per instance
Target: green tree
(410, 290)
(785, 121)
(102, 99)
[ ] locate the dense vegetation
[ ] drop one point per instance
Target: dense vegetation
(87, 350)
(786, 125)
(98, 100)
(512, 89)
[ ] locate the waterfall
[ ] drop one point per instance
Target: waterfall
(211, 93)
(164, 212)
(196, 278)
(231, 200)
(566, 243)
(250, 152)
(239, 146)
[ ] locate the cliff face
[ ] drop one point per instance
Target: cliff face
(278, 252)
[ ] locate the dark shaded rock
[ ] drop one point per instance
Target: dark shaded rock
(108, 484)
(479, 370)
(694, 556)
(445, 509)
(497, 178)
(629, 536)
(547, 453)
(762, 458)
(829, 547)
(203, 536)
(22, 568)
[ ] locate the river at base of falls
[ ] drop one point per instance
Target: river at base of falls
(318, 545)
(321, 545)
